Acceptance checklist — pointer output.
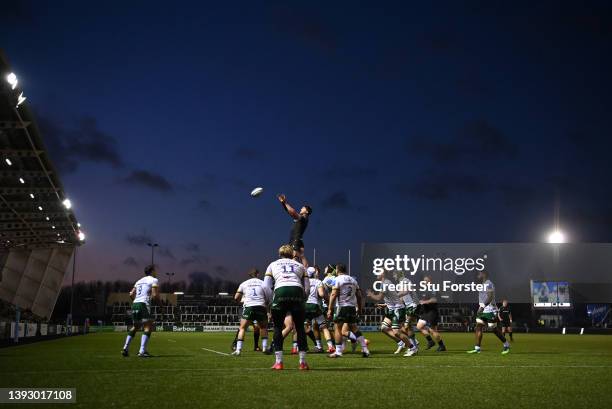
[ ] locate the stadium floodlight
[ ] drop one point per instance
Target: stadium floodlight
(47, 218)
(67, 203)
(21, 99)
(32, 195)
(556, 237)
(11, 78)
(78, 224)
(8, 162)
(53, 227)
(40, 208)
(223, 294)
(178, 293)
(81, 236)
(21, 181)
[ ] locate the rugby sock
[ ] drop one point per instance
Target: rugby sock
(477, 347)
(256, 338)
(239, 345)
(129, 338)
(318, 342)
(302, 357)
(311, 336)
(295, 344)
(279, 356)
(506, 344)
(364, 344)
(511, 338)
(330, 343)
(264, 343)
(401, 343)
(440, 342)
(339, 349)
(143, 342)
(352, 337)
(429, 339)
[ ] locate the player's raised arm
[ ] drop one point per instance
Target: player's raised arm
(292, 212)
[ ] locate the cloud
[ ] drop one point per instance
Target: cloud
(131, 262)
(475, 140)
(138, 239)
(440, 186)
(69, 148)
(306, 27)
(337, 200)
(204, 204)
(166, 253)
(247, 153)
(192, 247)
(148, 180)
(350, 172)
(189, 261)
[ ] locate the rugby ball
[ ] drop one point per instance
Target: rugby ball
(256, 192)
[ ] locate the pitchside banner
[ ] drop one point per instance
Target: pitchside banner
(544, 275)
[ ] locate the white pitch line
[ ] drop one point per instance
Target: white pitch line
(171, 340)
(216, 352)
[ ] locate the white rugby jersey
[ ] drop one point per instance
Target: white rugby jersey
(286, 273)
(483, 295)
(347, 287)
(313, 294)
(391, 298)
(143, 289)
(254, 293)
(410, 299)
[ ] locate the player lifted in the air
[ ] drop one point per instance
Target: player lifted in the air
(291, 285)
(487, 314)
(300, 223)
(143, 292)
(347, 300)
(255, 297)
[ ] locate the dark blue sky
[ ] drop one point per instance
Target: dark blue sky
(456, 122)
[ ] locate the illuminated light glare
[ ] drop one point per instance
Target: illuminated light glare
(53, 227)
(21, 180)
(81, 236)
(32, 195)
(40, 208)
(8, 162)
(11, 78)
(47, 218)
(21, 99)
(556, 237)
(78, 224)
(67, 203)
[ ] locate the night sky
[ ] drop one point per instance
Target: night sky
(450, 122)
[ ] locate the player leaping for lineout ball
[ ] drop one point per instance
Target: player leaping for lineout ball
(255, 297)
(347, 300)
(300, 223)
(290, 283)
(487, 314)
(145, 290)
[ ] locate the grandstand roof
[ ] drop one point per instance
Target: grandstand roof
(33, 213)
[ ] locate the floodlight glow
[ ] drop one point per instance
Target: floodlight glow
(21, 180)
(47, 218)
(8, 162)
(40, 208)
(12, 80)
(67, 203)
(21, 99)
(81, 236)
(178, 293)
(53, 227)
(32, 195)
(78, 224)
(556, 237)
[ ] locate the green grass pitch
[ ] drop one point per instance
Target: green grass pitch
(541, 371)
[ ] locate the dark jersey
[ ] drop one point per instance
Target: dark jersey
(426, 295)
(504, 313)
(298, 229)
